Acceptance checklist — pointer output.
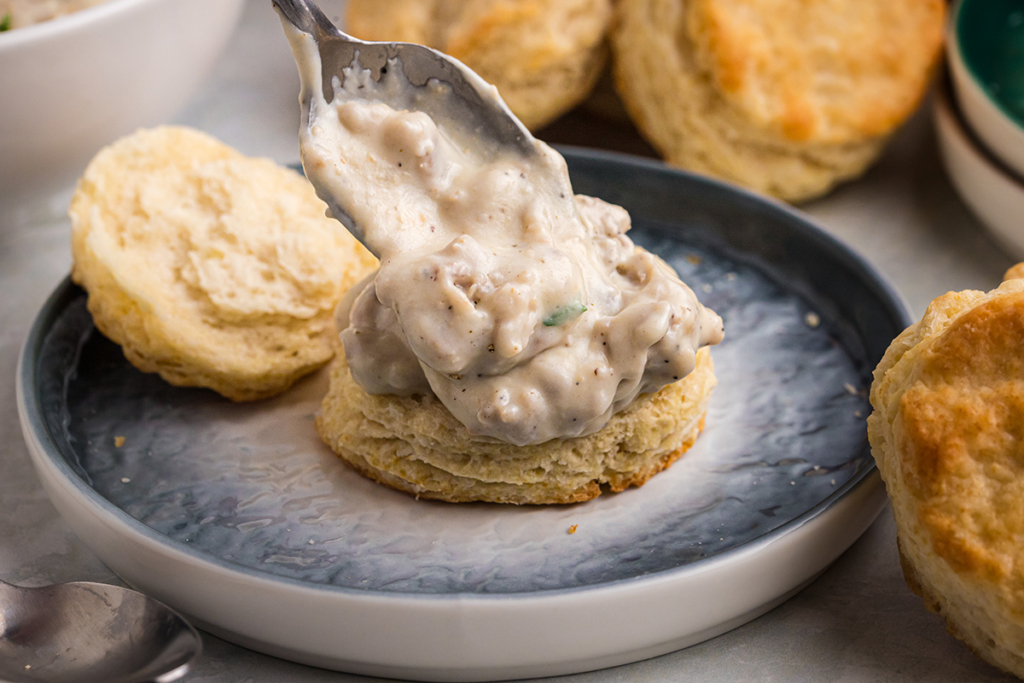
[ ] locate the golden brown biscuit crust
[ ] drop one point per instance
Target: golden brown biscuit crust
(416, 446)
(962, 422)
(948, 436)
(830, 71)
(786, 98)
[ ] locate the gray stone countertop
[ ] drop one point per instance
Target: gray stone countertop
(857, 622)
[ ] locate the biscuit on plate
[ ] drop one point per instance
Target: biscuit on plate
(544, 56)
(208, 267)
(786, 98)
(415, 445)
(947, 433)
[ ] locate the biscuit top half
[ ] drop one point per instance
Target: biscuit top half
(824, 70)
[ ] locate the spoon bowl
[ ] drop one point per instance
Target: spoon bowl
(403, 76)
(474, 105)
(91, 632)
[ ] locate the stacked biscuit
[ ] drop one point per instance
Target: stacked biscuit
(948, 436)
(787, 98)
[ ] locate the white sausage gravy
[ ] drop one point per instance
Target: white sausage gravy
(525, 309)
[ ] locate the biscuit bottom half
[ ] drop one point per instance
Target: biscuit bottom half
(415, 445)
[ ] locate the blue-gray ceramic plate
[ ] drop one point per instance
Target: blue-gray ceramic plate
(237, 515)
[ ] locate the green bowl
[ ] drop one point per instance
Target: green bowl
(986, 60)
(991, 37)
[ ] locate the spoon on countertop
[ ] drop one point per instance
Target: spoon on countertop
(91, 633)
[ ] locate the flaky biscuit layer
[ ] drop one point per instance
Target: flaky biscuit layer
(415, 445)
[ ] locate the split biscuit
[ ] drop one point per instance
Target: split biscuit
(415, 445)
(208, 267)
(947, 433)
(786, 98)
(544, 56)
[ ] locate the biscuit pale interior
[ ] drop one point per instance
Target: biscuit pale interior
(415, 445)
(208, 267)
(948, 436)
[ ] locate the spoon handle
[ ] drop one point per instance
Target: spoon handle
(307, 17)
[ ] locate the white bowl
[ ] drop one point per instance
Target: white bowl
(989, 189)
(1000, 134)
(73, 84)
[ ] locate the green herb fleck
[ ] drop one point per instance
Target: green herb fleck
(5, 22)
(564, 314)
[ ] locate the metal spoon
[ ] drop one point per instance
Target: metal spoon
(475, 107)
(91, 633)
